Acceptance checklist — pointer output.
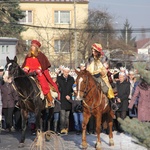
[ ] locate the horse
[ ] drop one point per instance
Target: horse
(28, 91)
(94, 103)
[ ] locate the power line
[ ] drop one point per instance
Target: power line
(133, 30)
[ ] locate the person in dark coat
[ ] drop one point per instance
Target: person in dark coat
(123, 91)
(9, 99)
(65, 83)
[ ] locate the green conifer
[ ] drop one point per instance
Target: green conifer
(137, 129)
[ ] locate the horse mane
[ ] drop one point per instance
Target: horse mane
(87, 73)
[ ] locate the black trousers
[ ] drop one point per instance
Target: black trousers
(91, 126)
(122, 115)
(8, 114)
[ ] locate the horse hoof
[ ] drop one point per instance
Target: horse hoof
(21, 145)
(84, 146)
(111, 142)
(98, 146)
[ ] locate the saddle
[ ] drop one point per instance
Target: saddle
(52, 89)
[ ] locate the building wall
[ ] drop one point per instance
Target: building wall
(7, 48)
(43, 16)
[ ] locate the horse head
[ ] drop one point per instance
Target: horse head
(12, 70)
(84, 83)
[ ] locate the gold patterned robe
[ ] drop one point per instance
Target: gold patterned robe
(96, 67)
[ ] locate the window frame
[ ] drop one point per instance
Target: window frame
(59, 46)
(59, 18)
(25, 20)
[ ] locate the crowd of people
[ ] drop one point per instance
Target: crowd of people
(129, 94)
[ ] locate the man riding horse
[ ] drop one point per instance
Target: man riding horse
(36, 61)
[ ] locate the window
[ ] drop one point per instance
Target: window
(62, 17)
(5, 49)
(27, 18)
(27, 43)
(61, 46)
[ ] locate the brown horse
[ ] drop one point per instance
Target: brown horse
(94, 103)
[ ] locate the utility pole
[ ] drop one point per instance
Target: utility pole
(126, 35)
(75, 36)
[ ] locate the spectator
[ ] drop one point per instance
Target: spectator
(133, 84)
(91, 125)
(1, 73)
(123, 91)
(57, 108)
(9, 99)
(77, 111)
(65, 83)
(142, 92)
(0, 109)
(32, 122)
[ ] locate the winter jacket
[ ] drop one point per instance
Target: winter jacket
(9, 95)
(65, 88)
(123, 90)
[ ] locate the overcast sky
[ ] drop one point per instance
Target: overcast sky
(136, 11)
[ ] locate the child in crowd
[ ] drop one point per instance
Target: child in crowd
(77, 111)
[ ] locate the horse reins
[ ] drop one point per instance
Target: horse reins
(25, 98)
(86, 93)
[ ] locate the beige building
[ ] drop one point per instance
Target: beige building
(52, 22)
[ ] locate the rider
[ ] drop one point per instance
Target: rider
(98, 70)
(36, 61)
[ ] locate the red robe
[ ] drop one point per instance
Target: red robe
(42, 62)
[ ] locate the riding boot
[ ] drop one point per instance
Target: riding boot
(50, 100)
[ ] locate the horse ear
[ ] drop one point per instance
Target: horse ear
(77, 71)
(15, 59)
(7, 59)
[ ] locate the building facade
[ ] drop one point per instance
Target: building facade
(53, 23)
(7, 49)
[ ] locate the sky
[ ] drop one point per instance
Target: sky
(136, 11)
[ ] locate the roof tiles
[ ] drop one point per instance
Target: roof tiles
(54, 0)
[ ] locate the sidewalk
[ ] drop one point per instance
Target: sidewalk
(10, 141)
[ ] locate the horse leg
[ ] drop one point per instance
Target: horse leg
(98, 130)
(24, 115)
(49, 117)
(38, 120)
(110, 124)
(86, 118)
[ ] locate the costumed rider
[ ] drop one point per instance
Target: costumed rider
(99, 71)
(36, 61)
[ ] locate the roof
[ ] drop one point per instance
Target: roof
(143, 43)
(55, 1)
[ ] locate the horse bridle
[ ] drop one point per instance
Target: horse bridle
(86, 93)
